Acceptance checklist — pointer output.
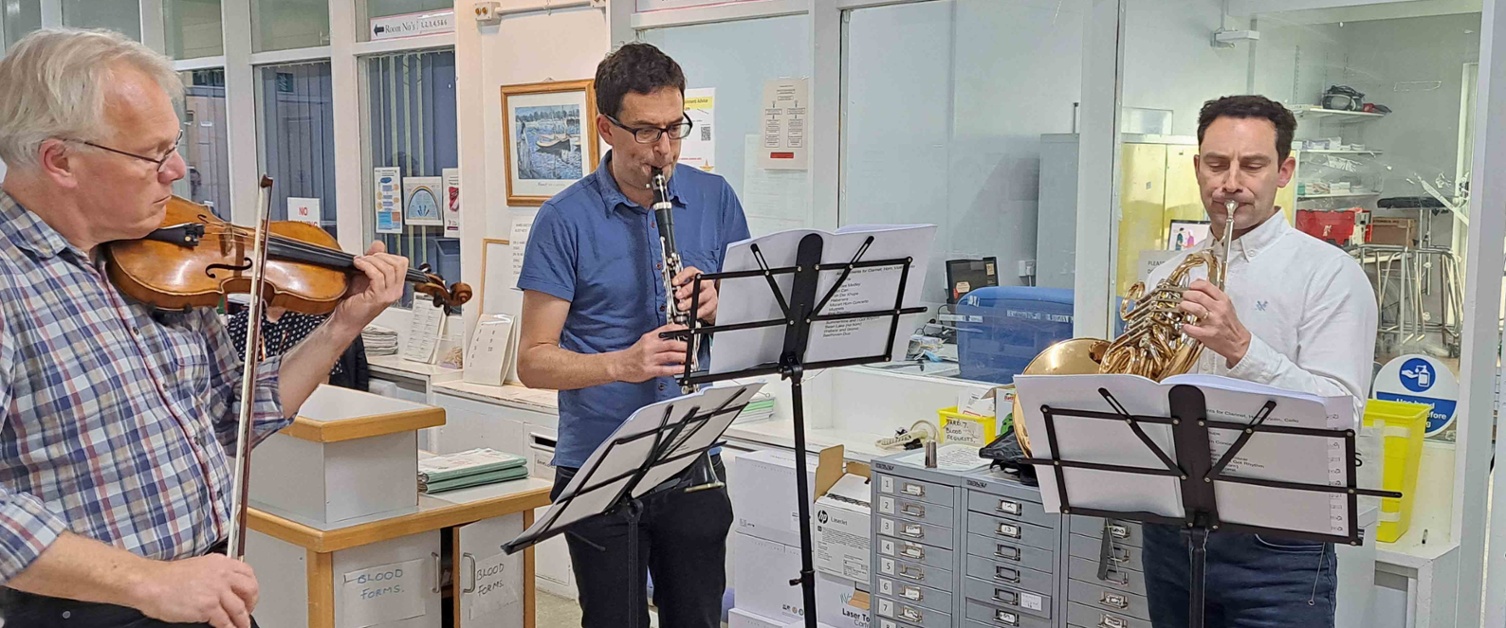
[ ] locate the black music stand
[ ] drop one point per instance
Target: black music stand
(647, 455)
(1199, 475)
(801, 309)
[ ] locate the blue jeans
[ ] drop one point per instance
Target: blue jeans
(1252, 581)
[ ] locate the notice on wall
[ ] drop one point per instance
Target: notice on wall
(382, 594)
(389, 199)
(422, 200)
(699, 148)
(786, 109)
(303, 210)
(451, 178)
(519, 240)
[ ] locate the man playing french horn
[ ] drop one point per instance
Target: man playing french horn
(1298, 314)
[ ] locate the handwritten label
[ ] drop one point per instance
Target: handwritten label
(384, 594)
(496, 586)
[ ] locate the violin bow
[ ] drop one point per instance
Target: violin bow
(240, 489)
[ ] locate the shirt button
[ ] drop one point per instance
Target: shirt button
(661, 308)
(659, 266)
(661, 386)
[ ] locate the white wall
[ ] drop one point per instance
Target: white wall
(561, 45)
(1169, 64)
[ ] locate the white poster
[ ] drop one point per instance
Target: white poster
(303, 210)
(389, 200)
(451, 202)
(421, 200)
(519, 240)
(786, 106)
(386, 593)
(699, 148)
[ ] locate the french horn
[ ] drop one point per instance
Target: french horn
(1153, 344)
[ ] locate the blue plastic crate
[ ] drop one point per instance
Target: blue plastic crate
(1002, 328)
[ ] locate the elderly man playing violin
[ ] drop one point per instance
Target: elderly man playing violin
(114, 478)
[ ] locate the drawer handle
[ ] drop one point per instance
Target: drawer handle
(1006, 574)
(1119, 555)
(913, 573)
(1011, 531)
(911, 614)
(1114, 576)
(914, 531)
(915, 489)
(467, 556)
(1113, 600)
(1007, 597)
(912, 550)
(1006, 618)
(1007, 552)
(912, 593)
(438, 577)
(913, 510)
(1009, 507)
(1119, 531)
(1110, 621)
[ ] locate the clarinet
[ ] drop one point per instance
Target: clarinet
(702, 476)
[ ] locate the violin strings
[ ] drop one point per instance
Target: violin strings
(308, 252)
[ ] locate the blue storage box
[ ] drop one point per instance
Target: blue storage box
(1002, 328)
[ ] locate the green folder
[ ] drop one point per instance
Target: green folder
(467, 481)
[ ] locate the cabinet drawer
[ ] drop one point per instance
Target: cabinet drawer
(927, 492)
(933, 535)
(1126, 556)
(1007, 597)
(914, 510)
(1117, 577)
(1010, 573)
(1124, 532)
(1108, 599)
(1012, 508)
(1083, 615)
(914, 552)
(1009, 619)
(889, 623)
(1009, 552)
(996, 615)
(910, 593)
(1013, 531)
(914, 573)
(910, 613)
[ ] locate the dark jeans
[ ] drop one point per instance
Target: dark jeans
(28, 610)
(682, 541)
(1252, 581)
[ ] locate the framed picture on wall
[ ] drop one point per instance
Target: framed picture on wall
(549, 138)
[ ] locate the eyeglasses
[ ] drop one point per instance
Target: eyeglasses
(161, 163)
(651, 134)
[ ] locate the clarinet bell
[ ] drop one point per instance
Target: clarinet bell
(703, 476)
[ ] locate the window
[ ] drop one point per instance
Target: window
(289, 24)
(117, 15)
(736, 59)
(193, 28)
(411, 126)
(19, 17)
(205, 147)
(950, 111)
(295, 135)
(370, 12)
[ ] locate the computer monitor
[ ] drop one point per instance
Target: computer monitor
(1185, 234)
(965, 275)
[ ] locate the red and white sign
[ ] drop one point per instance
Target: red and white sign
(304, 210)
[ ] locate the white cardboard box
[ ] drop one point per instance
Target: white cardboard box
(763, 496)
(739, 618)
(840, 603)
(762, 581)
(842, 532)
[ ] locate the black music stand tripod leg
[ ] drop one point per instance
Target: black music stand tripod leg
(1197, 579)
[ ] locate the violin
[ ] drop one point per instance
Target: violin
(195, 259)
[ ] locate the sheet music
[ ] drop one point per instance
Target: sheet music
(749, 299)
(574, 505)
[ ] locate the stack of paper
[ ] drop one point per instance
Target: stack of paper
(379, 340)
(475, 467)
(761, 408)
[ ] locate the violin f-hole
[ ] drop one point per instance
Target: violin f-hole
(209, 270)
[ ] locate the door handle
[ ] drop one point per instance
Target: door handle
(464, 556)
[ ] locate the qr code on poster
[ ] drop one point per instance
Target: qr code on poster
(706, 133)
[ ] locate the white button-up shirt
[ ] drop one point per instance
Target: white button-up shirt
(1308, 305)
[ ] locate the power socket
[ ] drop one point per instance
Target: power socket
(488, 13)
(1027, 268)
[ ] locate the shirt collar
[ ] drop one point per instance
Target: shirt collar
(606, 184)
(1262, 237)
(28, 231)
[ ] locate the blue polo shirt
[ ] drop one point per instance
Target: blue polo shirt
(598, 250)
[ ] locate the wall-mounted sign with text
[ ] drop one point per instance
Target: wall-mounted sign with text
(413, 24)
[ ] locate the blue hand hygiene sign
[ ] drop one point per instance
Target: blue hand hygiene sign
(1421, 379)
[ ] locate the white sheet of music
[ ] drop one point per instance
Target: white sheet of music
(749, 299)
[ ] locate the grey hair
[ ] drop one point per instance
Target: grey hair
(54, 81)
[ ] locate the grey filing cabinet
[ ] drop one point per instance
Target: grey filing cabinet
(976, 549)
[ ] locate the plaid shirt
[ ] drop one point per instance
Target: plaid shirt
(117, 419)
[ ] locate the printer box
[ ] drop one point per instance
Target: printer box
(739, 618)
(762, 488)
(841, 603)
(762, 579)
(842, 513)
